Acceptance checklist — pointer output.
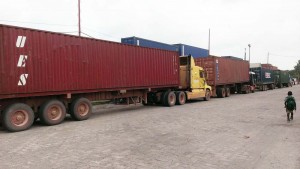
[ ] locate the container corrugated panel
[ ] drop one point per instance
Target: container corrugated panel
(222, 71)
(191, 50)
(34, 62)
(148, 43)
(264, 76)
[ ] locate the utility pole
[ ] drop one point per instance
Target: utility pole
(268, 58)
(249, 45)
(209, 42)
(79, 23)
(245, 55)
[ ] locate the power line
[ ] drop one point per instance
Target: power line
(88, 35)
(105, 34)
(68, 32)
(282, 55)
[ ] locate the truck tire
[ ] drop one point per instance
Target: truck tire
(17, 117)
(221, 93)
(162, 98)
(180, 98)
(247, 90)
(52, 112)
(170, 99)
(227, 90)
(81, 109)
(207, 95)
(264, 88)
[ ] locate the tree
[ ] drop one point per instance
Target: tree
(297, 70)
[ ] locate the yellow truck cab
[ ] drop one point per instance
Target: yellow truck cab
(192, 79)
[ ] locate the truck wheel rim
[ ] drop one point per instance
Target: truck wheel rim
(181, 98)
(54, 112)
(20, 118)
(171, 98)
(207, 95)
(83, 109)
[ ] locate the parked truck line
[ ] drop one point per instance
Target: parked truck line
(45, 75)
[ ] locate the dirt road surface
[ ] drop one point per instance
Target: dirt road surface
(240, 132)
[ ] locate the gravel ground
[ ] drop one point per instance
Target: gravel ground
(242, 131)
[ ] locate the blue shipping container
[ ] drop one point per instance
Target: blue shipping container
(148, 43)
(191, 50)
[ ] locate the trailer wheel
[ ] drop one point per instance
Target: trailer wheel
(81, 109)
(170, 99)
(227, 92)
(207, 95)
(221, 92)
(52, 112)
(17, 117)
(180, 98)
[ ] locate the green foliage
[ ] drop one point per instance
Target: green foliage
(296, 71)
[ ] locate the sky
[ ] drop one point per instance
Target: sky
(272, 27)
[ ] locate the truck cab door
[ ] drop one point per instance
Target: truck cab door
(202, 79)
(197, 78)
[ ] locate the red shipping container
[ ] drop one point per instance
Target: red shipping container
(224, 71)
(39, 63)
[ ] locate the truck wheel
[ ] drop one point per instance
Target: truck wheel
(81, 109)
(221, 92)
(17, 117)
(265, 88)
(227, 92)
(170, 99)
(180, 98)
(207, 95)
(52, 112)
(162, 97)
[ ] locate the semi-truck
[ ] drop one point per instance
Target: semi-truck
(282, 78)
(227, 75)
(263, 78)
(45, 75)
